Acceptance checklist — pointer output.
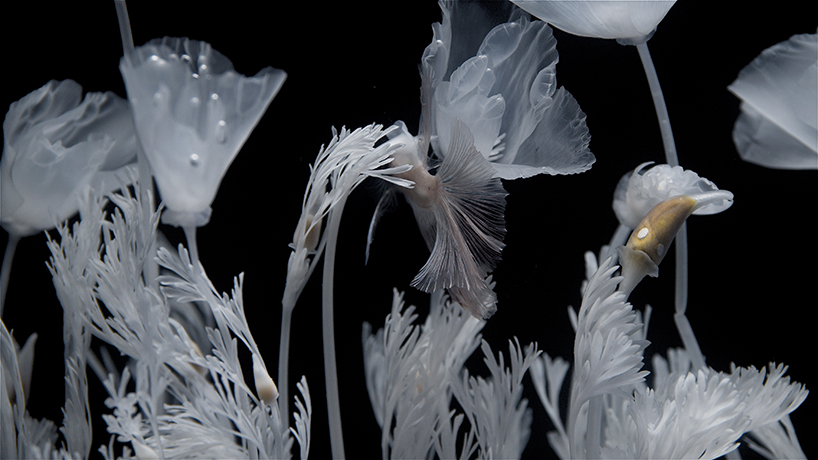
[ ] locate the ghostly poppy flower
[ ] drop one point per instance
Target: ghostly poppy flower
(778, 125)
(496, 115)
(56, 144)
(193, 113)
(640, 191)
(506, 95)
(630, 21)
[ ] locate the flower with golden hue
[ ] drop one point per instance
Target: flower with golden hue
(193, 113)
(640, 191)
(778, 124)
(631, 20)
(55, 145)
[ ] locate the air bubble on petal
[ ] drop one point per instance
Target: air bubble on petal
(157, 98)
(186, 58)
(214, 96)
(195, 101)
(195, 75)
(221, 132)
(154, 58)
(194, 159)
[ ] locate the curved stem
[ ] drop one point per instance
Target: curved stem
(682, 324)
(330, 367)
(5, 271)
(681, 270)
(659, 103)
(283, 362)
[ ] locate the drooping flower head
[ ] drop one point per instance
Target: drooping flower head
(656, 204)
(56, 143)
(192, 112)
(778, 124)
(495, 115)
(638, 192)
(631, 21)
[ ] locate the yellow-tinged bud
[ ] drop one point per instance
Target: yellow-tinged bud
(649, 242)
(265, 387)
(656, 231)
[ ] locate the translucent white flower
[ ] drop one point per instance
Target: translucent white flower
(640, 191)
(55, 145)
(193, 113)
(506, 94)
(496, 115)
(630, 20)
(778, 124)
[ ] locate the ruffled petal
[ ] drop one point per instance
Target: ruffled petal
(778, 127)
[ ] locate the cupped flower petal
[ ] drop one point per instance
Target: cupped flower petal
(778, 125)
(56, 144)
(640, 191)
(192, 112)
(631, 20)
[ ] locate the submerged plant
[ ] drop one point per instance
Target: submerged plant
(181, 349)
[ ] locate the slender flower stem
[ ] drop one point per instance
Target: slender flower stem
(682, 324)
(5, 271)
(689, 341)
(659, 103)
(192, 246)
(283, 362)
(124, 27)
(593, 436)
(330, 368)
(680, 300)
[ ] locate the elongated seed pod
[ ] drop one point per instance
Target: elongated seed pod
(649, 242)
(656, 231)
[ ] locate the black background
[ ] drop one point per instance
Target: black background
(752, 268)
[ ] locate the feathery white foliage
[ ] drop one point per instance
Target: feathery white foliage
(409, 370)
(548, 375)
(686, 414)
(341, 166)
(413, 371)
(608, 347)
(703, 415)
(22, 436)
(777, 440)
(185, 403)
(494, 406)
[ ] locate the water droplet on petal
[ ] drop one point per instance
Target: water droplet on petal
(221, 132)
(186, 58)
(214, 96)
(194, 159)
(195, 102)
